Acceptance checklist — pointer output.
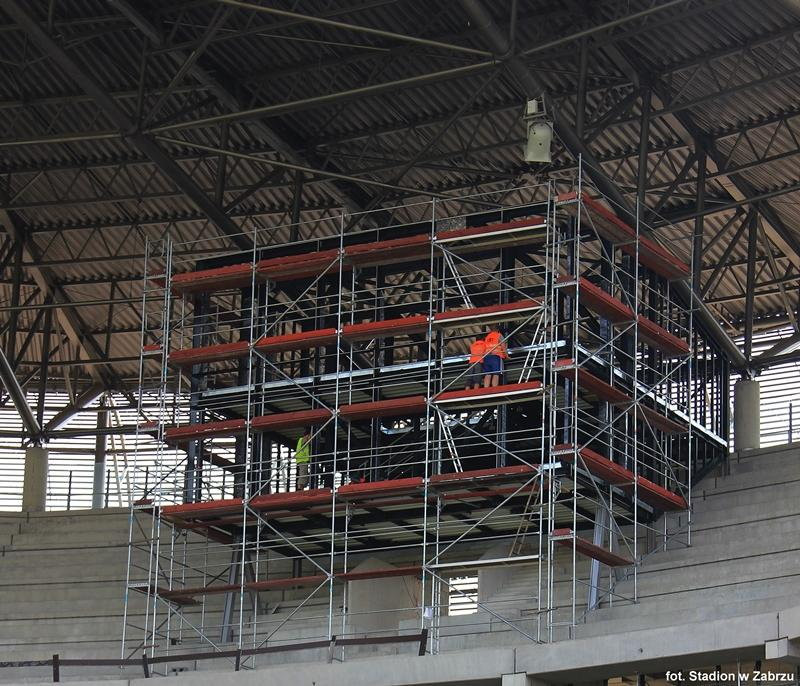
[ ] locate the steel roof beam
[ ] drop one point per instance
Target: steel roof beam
(225, 94)
(71, 323)
(531, 87)
(736, 130)
(63, 417)
(18, 398)
(357, 28)
(126, 126)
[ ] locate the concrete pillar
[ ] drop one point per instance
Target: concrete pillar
(380, 604)
(520, 679)
(747, 415)
(34, 488)
(99, 481)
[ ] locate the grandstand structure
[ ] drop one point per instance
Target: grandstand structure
(585, 453)
(249, 253)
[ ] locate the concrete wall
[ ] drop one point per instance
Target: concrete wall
(378, 605)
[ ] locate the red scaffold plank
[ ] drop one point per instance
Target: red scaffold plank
(150, 428)
(502, 233)
(217, 279)
(393, 407)
(289, 582)
(151, 350)
(388, 252)
(665, 424)
(381, 488)
(210, 353)
(611, 394)
(596, 464)
(479, 477)
(291, 500)
(565, 538)
(589, 382)
(290, 420)
(597, 300)
(182, 594)
(610, 226)
(295, 341)
(192, 432)
(388, 327)
(652, 334)
(489, 314)
(380, 573)
(612, 473)
(659, 497)
(209, 508)
(505, 393)
(298, 266)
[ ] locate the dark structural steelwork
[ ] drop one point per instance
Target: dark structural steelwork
(123, 122)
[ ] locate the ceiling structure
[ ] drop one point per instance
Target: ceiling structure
(123, 120)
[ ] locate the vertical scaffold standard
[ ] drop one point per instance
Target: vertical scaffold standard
(542, 468)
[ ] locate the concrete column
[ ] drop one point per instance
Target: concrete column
(747, 415)
(99, 481)
(34, 488)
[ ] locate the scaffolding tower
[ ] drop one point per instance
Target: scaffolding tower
(564, 472)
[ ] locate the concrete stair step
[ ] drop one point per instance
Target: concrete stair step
(9, 526)
(727, 548)
(742, 512)
(777, 460)
(30, 573)
(69, 560)
(78, 607)
(744, 529)
(759, 477)
(33, 539)
(708, 574)
(44, 650)
(638, 617)
(666, 600)
(60, 591)
(750, 496)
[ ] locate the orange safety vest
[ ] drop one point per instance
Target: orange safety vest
(495, 345)
(477, 350)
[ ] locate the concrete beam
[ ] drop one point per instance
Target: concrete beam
(783, 649)
(652, 650)
(475, 668)
(572, 661)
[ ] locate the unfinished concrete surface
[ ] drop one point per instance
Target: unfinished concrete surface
(732, 595)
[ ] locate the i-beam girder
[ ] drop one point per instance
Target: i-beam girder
(531, 86)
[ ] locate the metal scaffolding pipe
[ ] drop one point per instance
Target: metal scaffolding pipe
(531, 87)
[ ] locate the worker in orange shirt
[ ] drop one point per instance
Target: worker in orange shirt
(475, 373)
(494, 360)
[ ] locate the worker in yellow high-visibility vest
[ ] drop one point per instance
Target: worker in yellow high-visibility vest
(302, 457)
